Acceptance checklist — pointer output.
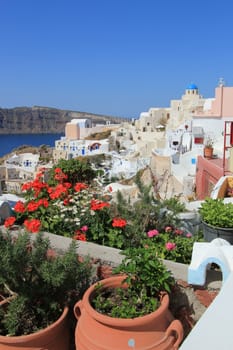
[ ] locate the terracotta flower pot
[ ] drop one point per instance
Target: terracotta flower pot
(54, 337)
(208, 152)
(155, 331)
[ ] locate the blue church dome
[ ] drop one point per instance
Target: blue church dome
(192, 87)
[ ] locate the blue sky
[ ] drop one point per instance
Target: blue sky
(112, 57)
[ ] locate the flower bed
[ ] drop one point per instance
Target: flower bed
(84, 211)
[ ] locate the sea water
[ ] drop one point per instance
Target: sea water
(9, 142)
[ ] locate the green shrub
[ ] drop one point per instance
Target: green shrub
(39, 281)
(217, 213)
(146, 277)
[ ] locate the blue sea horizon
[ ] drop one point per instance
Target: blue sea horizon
(9, 142)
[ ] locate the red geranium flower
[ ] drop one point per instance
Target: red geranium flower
(32, 225)
(67, 185)
(80, 236)
(66, 201)
(39, 175)
(98, 205)
(9, 221)
(37, 185)
(58, 191)
(118, 222)
(43, 202)
(59, 175)
(19, 207)
(80, 186)
(32, 206)
(26, 186)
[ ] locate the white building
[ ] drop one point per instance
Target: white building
(67, 149)
(179, 111)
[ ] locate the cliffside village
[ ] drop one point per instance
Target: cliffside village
(168, 144)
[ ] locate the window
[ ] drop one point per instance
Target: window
(199, 140)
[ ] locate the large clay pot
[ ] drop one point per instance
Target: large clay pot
(95, 331)
(54, 337)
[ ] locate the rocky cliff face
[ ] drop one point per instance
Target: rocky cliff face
(26, 120)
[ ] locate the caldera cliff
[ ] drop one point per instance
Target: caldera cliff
(36, 120)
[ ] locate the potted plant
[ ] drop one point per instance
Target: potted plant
(129, 309)
(38, 288)
(217, 219)
(208, 146)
